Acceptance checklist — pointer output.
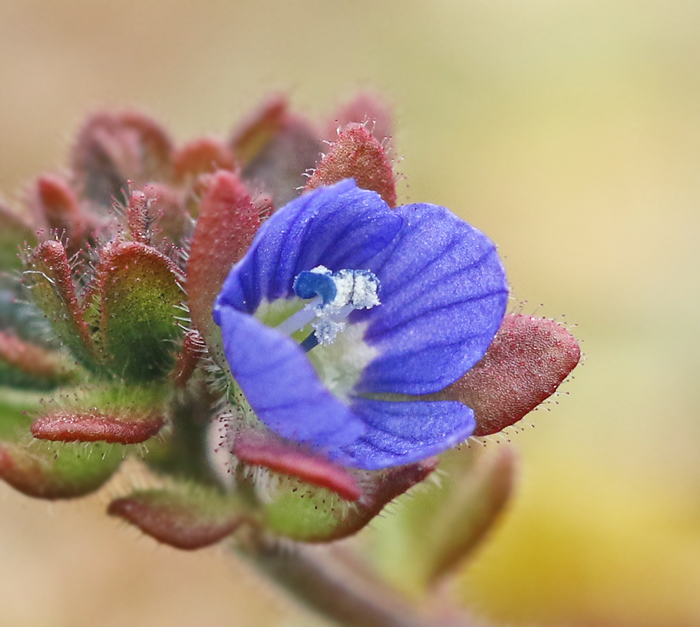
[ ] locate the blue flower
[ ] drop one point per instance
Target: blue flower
(343, 312)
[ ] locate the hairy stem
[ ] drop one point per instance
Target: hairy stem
(324, 584)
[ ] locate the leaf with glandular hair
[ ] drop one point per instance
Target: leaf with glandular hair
(57, 211)
(264, 449)
(23, 364)
(63, 471)
(356, 155)
(524, 365)
(97, 426)
(170, 224)
(47, 275)
(137, 217)
(275, 148)
(116, 414)
(114, 148)
(14, 231)
(184, 517)
(227, 224)
(310, 499)
(139, 294)
(203, 155)
(368, 109)
(193, 348)
(194, 161)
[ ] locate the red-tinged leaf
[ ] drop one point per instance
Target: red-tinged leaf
(95, 426)
(367, 109)
(139, 295)
(358, 155)
(192, 350)
(255, 132)
(228, 221)
(472, 498)
(380, 489)
(70, 471)
(56, 210)
(170, 224)
(137, 217)
(525, 364)
(201, 156)
(275, 151)
(268, 451)
(301, 512)
(15, 230)
(194, 161)
(25, 364)
(182, 519)
(48, 276)
(114, 148)
(436, 530)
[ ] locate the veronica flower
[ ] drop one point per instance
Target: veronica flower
(344, 312)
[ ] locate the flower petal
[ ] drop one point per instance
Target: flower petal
(339, 227)
(403, 432)
(281, 385)
(443, 293)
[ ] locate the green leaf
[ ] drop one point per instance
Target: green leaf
(139, 300)
(16, 407)
(62, 471)
(300, 511)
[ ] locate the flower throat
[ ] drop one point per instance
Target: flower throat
(335, 295)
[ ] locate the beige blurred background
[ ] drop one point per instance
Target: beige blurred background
(569, 131)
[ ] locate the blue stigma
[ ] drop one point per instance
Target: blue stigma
(312, 284)
(333, 297)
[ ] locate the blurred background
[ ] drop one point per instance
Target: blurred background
(568, 131)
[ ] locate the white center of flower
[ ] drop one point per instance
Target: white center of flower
(334, 296)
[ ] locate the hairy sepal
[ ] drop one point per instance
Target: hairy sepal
(228, 221)
(170, 223)
(57, 211)
(186, 517)
(302, 512)
(263, 449)
(368, 109)
(524, 365)
(358, 155)
(117, 414)
(48, 277)
(63, 471)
